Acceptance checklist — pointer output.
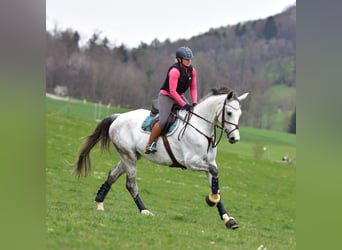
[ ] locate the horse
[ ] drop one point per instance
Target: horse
(194, 146)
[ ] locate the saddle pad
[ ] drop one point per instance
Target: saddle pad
(146, 125)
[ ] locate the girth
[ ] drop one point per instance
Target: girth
(175, 163)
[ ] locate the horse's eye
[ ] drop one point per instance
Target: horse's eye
(229, 113)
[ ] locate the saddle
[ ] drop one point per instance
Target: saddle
(153, 118)
(169, 129)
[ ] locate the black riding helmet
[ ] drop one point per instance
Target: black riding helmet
(184, 53)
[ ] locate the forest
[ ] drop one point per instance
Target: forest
(257, 56)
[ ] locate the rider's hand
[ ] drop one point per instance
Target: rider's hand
(187, 107)
(194, 104)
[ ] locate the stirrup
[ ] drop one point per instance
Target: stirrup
(152, 148)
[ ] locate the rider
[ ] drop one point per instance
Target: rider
(180, 77)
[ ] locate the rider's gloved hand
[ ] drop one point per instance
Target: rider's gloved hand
(187, 107)
(194, 104)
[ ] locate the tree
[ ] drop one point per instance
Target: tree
(240, 30)
(122, 52)
(292, 125)
(69, 40)
(270, 29)
(92, 42)
(251, 56)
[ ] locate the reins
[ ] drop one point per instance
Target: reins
(186, 120)
(211, 140)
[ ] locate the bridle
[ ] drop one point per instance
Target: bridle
(211, 140)
(223, 120)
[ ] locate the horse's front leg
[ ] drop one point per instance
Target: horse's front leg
(214, 198)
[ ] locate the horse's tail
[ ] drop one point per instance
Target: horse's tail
(101, 132)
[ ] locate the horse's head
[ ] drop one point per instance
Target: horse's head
(230, 116)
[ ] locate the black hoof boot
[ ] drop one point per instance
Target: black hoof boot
(209, 202)
(231, 224)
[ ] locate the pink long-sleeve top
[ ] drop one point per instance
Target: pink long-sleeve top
(174, 75)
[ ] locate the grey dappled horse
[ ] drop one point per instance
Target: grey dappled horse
(193, 145)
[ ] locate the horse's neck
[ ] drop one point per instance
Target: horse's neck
(209, 110)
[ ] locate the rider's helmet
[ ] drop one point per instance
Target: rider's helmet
(184, 53)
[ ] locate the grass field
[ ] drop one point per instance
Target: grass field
(256, 188)
(280, 106)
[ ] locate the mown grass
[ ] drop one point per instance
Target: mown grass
(258, 191)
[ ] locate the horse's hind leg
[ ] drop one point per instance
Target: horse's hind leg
(132, 187)
(215, 199)
(113, 175)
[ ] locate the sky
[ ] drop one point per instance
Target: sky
(131, 22)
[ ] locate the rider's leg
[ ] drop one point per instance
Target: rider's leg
(151, 145)
(164, 103)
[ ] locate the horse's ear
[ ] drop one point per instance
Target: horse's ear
(230, 95)
(243, 97)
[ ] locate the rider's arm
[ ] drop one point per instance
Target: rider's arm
(193, 86)
(174, 75)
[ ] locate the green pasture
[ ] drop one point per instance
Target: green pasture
(279, 108)
(257, 190)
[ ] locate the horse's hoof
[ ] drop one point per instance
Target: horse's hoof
(146, 212)
(231, 224)
(100, 206)
(209, 202)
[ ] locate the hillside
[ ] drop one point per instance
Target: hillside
(253, 56)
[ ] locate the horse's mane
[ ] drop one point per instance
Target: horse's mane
(221, 91)
(217, 91)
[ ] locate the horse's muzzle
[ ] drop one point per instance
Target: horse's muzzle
(232, 140)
